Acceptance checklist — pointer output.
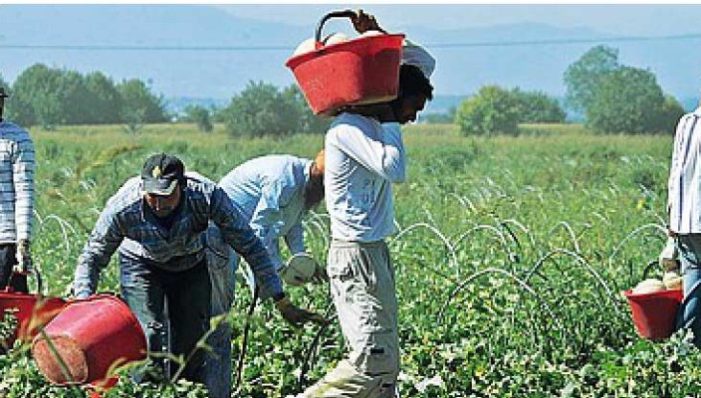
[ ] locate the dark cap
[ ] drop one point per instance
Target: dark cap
(162, 173)
(3, 94)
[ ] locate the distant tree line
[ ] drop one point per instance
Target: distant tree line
(616, 98)
(498, 110)
(50, 96)
(262, 109)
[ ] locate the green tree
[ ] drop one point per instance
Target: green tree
(36, 97)
(139, 105)
(668, 115)
(493, 110)
(199, 115)
(104, 99)
(75, 102)
(4, 84)
(308, 121)
(260, 109)
(6, 87)
(537, 107)
(584, 76)
(627, 100)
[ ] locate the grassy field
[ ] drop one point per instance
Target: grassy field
(510, 257)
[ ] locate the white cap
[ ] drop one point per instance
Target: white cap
(414, 54)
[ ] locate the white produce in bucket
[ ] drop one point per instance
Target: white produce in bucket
(309, 45)
(304, 47)
(299, 270)
(649, 286)
(335, 38)
(370, 33)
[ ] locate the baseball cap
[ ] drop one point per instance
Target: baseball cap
(161, 174)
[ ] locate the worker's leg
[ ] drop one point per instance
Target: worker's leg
(218, 362)
(189, 304)
(142, 290)
(690, 311)
(362, 285)
(7, 261)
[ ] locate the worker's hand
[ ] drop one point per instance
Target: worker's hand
(362, 22)
(297, 316)
(24, 258)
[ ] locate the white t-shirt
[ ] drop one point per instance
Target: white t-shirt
(363, 158)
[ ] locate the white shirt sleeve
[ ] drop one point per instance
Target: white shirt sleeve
(383, 155)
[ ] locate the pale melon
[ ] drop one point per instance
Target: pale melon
(305, 47)
(649, 286)
(335, 38)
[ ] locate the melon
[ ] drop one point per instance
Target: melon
(335, 38)
(372, 33)
(304, 47)
(649, 286)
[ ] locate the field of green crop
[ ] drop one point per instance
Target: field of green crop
(511, 255)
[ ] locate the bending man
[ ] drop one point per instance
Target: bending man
(273, 193)
(161, 217)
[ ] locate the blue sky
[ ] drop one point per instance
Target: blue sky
(615, 19)
(475, 45)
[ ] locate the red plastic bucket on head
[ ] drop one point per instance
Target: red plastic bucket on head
(93, 337)
(32, 311)
(654, 314)
(360, 71)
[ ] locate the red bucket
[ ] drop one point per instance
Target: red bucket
(654, 314)
(93, 337)
(360, 71)
(32, 312)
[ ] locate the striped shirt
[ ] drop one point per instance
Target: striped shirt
(363, 159)
(176, 249)
(684, 186)
(16, 183)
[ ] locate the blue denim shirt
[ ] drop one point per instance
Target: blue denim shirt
(269, 192)
(176, 249)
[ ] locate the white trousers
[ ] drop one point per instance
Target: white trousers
(364, 294)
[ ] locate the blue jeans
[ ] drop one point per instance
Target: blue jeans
(217, 372)
(149, 291)
(689, 316)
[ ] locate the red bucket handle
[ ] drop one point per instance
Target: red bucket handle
(336, 14)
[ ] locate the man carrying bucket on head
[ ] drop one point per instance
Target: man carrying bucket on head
(364, 156)
(17, 192)
(273, 193)
(684, 205)
(161, 218)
